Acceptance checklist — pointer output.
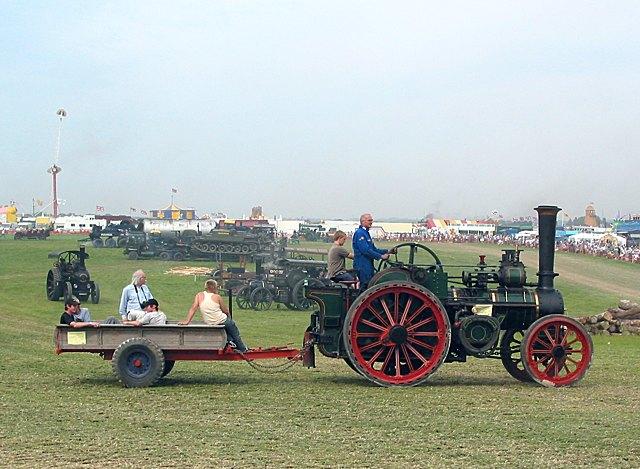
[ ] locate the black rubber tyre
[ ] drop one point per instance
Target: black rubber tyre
(138, 363)
(53, 280)
(110, 243)
(297, 294)
(121, 241)
(67, 292)
(95, 294)
(261, 299)
(168, 366)
(510, 355)
(165, 255)
(243, 297)
(97, 243)
(133, 255)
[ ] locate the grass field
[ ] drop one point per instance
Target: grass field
(70, 410)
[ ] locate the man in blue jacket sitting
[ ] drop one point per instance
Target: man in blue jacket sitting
(365, 252)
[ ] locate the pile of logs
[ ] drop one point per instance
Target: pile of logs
(625, 319)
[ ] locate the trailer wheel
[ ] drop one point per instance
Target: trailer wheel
(510, 355)
(110, 242)
(168, 366)
(97, 243)
(133, 255)
(165, 255)
(397, 334)
(556, 351)
(138, 362)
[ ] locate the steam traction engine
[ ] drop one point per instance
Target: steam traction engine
(415, 316)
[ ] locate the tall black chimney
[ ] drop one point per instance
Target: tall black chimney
(547, 215)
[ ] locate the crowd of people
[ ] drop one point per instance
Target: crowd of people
(591, 248)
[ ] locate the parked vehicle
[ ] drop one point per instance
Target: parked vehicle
(69, 276)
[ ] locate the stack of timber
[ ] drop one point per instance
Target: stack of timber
(625, 319)
(187, 271)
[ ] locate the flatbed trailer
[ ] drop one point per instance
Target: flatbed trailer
(140, 356)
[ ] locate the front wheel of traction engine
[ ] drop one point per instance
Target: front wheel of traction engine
(556, 351)
(138, 363)
(397, 334)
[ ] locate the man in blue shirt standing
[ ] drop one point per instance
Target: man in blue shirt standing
(365, 252)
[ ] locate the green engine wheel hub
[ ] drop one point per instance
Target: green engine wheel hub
(478, 333)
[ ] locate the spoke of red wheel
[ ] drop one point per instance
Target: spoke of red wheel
(572, 342)
(396, 305)
(407, 358)
(415, 314)
(422, 358)
(362, 335)
(421, 344)
(551, 341)
(374, 325)
(397, 353)
(572, 351)
(378, 317)
(375, 357)
(545, 351)
(376, 343)
(385, 364)
(423, 334)
(407, 307)
(547, 367)
(556, 329)
(544, 344)
(543, 357)
(565, 367)
(420, 324)
(387, 312)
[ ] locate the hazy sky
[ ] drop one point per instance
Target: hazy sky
(323, 109)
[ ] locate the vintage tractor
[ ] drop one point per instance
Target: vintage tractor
(283, 281)
(414, 316)
(69, 276)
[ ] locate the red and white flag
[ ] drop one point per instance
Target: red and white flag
(99, 208)
(175, 191)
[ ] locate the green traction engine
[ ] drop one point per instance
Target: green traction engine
(414, 316)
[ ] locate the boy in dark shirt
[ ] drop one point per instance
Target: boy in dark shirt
(71, 307)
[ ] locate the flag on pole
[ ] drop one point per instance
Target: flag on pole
(99, 208)
(173, 190)
(132, 209)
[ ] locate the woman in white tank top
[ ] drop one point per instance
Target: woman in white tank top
(214, 311)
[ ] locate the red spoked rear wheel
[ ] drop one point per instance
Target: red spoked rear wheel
(397, 334)
(556, 351)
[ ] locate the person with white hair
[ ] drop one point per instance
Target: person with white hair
(134, 294)
(215, 311)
